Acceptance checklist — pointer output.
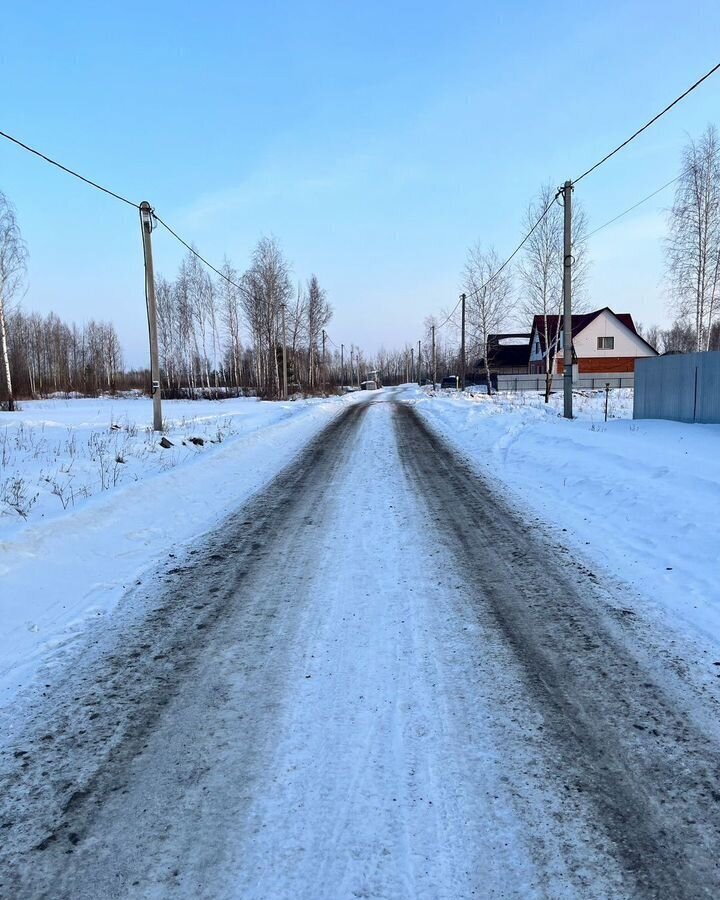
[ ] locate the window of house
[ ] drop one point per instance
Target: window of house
(537, 346)
(606, 343)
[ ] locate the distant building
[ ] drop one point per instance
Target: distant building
(602, 341)
(508, 354)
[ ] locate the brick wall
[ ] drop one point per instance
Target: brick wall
(607, 364)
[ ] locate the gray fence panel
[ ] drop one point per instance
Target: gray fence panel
(582, 382)
(707, 403)
(684, 388)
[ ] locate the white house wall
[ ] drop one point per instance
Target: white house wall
(627, 343)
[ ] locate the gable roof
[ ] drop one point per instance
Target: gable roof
(514, 355)
(580, 322)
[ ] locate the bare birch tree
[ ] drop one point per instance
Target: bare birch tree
(267, 286)
(231, 317)
(693, 245)
(13, 259)
(490, 301)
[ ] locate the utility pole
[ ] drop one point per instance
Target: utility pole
(323, 360)
(462, 344)
(567, 302)
(352, 353)
(434, 358)
(342, 365)
(419, 372)
(146, 222)
(285, 384)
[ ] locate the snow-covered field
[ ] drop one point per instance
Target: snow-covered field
(89, 500)
(638, 498)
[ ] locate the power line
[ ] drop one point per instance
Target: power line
(648, 124)
(105, 190)
(202, 259)
(515, 252)
(584, 174)
(634, 206)
(54, 162)
(447, 319)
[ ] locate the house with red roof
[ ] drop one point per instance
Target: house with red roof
(602, 341)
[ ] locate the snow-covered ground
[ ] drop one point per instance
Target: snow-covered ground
(371, 681)
(89, 500)
(638, 498)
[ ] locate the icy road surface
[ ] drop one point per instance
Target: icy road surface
(373, 682)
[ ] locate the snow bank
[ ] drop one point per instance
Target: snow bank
(639, 498)
(89, 500)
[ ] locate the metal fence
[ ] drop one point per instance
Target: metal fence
(684, 387)
(580, 382)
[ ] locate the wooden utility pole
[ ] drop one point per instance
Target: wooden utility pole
(419, 371)
(285, 384)
(434, 358)
(323, 361)
(567, 302)
(146, 223)
(342, 365)
(462, 344)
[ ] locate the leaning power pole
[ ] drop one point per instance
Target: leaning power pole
(146, 223)
(462, 344)
(419, 371)
(567, 190)
(434, 358)
(285, 384)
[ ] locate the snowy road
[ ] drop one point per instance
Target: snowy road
(372, 682)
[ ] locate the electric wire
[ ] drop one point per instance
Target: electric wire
(587, 172)
(473, 293)
(448, 317)
(510, 258)
(648, 124)
(117, 196)
(54, 162)
(202, 259)
(631, 208)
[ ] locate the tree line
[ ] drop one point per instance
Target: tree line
(227, 332)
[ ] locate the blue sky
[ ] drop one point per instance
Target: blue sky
(376, 141)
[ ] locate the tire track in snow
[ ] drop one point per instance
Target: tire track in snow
(650, 773)
(86, 755)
